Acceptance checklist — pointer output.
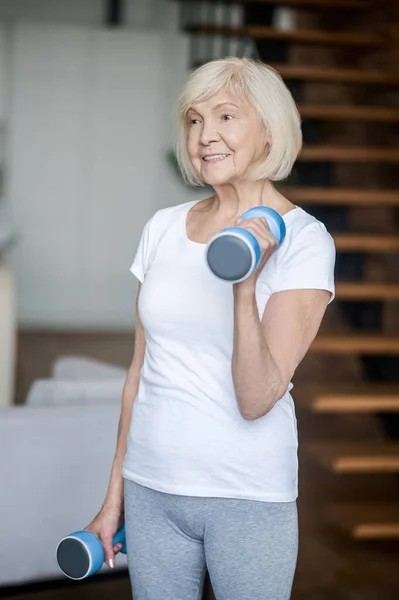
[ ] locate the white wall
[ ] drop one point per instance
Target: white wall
(89, 129)
(4, 89)
(138, 13)
(72, 11)
(3, 68)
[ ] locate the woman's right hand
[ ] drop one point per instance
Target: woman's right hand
(105, 525)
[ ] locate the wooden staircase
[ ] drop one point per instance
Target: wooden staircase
(356, 458)
(342, 196)
(377, 114)
(318, 4)
(314, 73)
(373, 344)
(367, 291)
(355, 399)
(299, 36)
(366, 521)
(348, 166)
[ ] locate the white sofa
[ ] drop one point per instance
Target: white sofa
(56, 454)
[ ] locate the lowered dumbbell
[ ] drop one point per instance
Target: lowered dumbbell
(80, 554)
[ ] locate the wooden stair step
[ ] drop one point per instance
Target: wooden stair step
(340, 196)
(366, 291)
(355, 458)
(367, 521)
(315, 36)
(349, 154)
(359, 398)
(352, 242)
(380, 114)
(339, 4)
(295, 36)
(364, 344)
(334, 74)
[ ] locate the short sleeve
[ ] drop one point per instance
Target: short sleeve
(142, 258)
(309, 261)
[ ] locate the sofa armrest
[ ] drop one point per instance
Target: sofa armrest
(54, 472)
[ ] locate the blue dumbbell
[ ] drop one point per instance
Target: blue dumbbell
(80, 554)
(234, 253)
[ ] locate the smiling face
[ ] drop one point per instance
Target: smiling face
(225, 138)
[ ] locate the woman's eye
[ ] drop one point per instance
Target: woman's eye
(193, 121)
(227, 117)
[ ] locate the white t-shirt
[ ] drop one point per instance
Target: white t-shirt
(187, 435)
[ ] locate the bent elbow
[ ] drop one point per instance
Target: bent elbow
(253, 415)
(256, 412)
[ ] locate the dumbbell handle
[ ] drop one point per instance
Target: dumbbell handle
(120, 536)
(275, 222)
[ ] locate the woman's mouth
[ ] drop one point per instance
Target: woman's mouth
(213, 158)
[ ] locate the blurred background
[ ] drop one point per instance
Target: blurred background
(87, 96)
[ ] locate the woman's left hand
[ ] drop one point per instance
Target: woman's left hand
(259, 228)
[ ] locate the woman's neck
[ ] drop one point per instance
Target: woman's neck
(232, 200)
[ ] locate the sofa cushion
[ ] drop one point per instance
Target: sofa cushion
(53, 392)
(79, 368)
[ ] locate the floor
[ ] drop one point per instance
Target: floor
(330, 564)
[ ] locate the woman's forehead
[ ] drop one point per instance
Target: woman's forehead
(219, 99)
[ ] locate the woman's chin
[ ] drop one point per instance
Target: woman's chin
(217, 179)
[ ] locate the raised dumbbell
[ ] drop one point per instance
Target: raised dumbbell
(233, 254)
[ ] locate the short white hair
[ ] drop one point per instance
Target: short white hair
(264, 88)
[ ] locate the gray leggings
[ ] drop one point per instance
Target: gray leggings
(249, 547)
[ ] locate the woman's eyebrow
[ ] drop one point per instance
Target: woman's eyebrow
(216, 107)
(225, 104)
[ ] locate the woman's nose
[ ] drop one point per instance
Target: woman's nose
(208, 135)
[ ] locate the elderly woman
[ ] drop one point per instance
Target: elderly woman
(205, 471)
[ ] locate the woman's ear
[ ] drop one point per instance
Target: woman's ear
(268, 139)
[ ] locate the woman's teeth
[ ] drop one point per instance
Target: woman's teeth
(215, 157)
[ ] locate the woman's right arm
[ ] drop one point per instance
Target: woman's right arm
(114, 496)
(106, 523)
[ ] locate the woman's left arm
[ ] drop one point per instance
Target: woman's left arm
(266, 352)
